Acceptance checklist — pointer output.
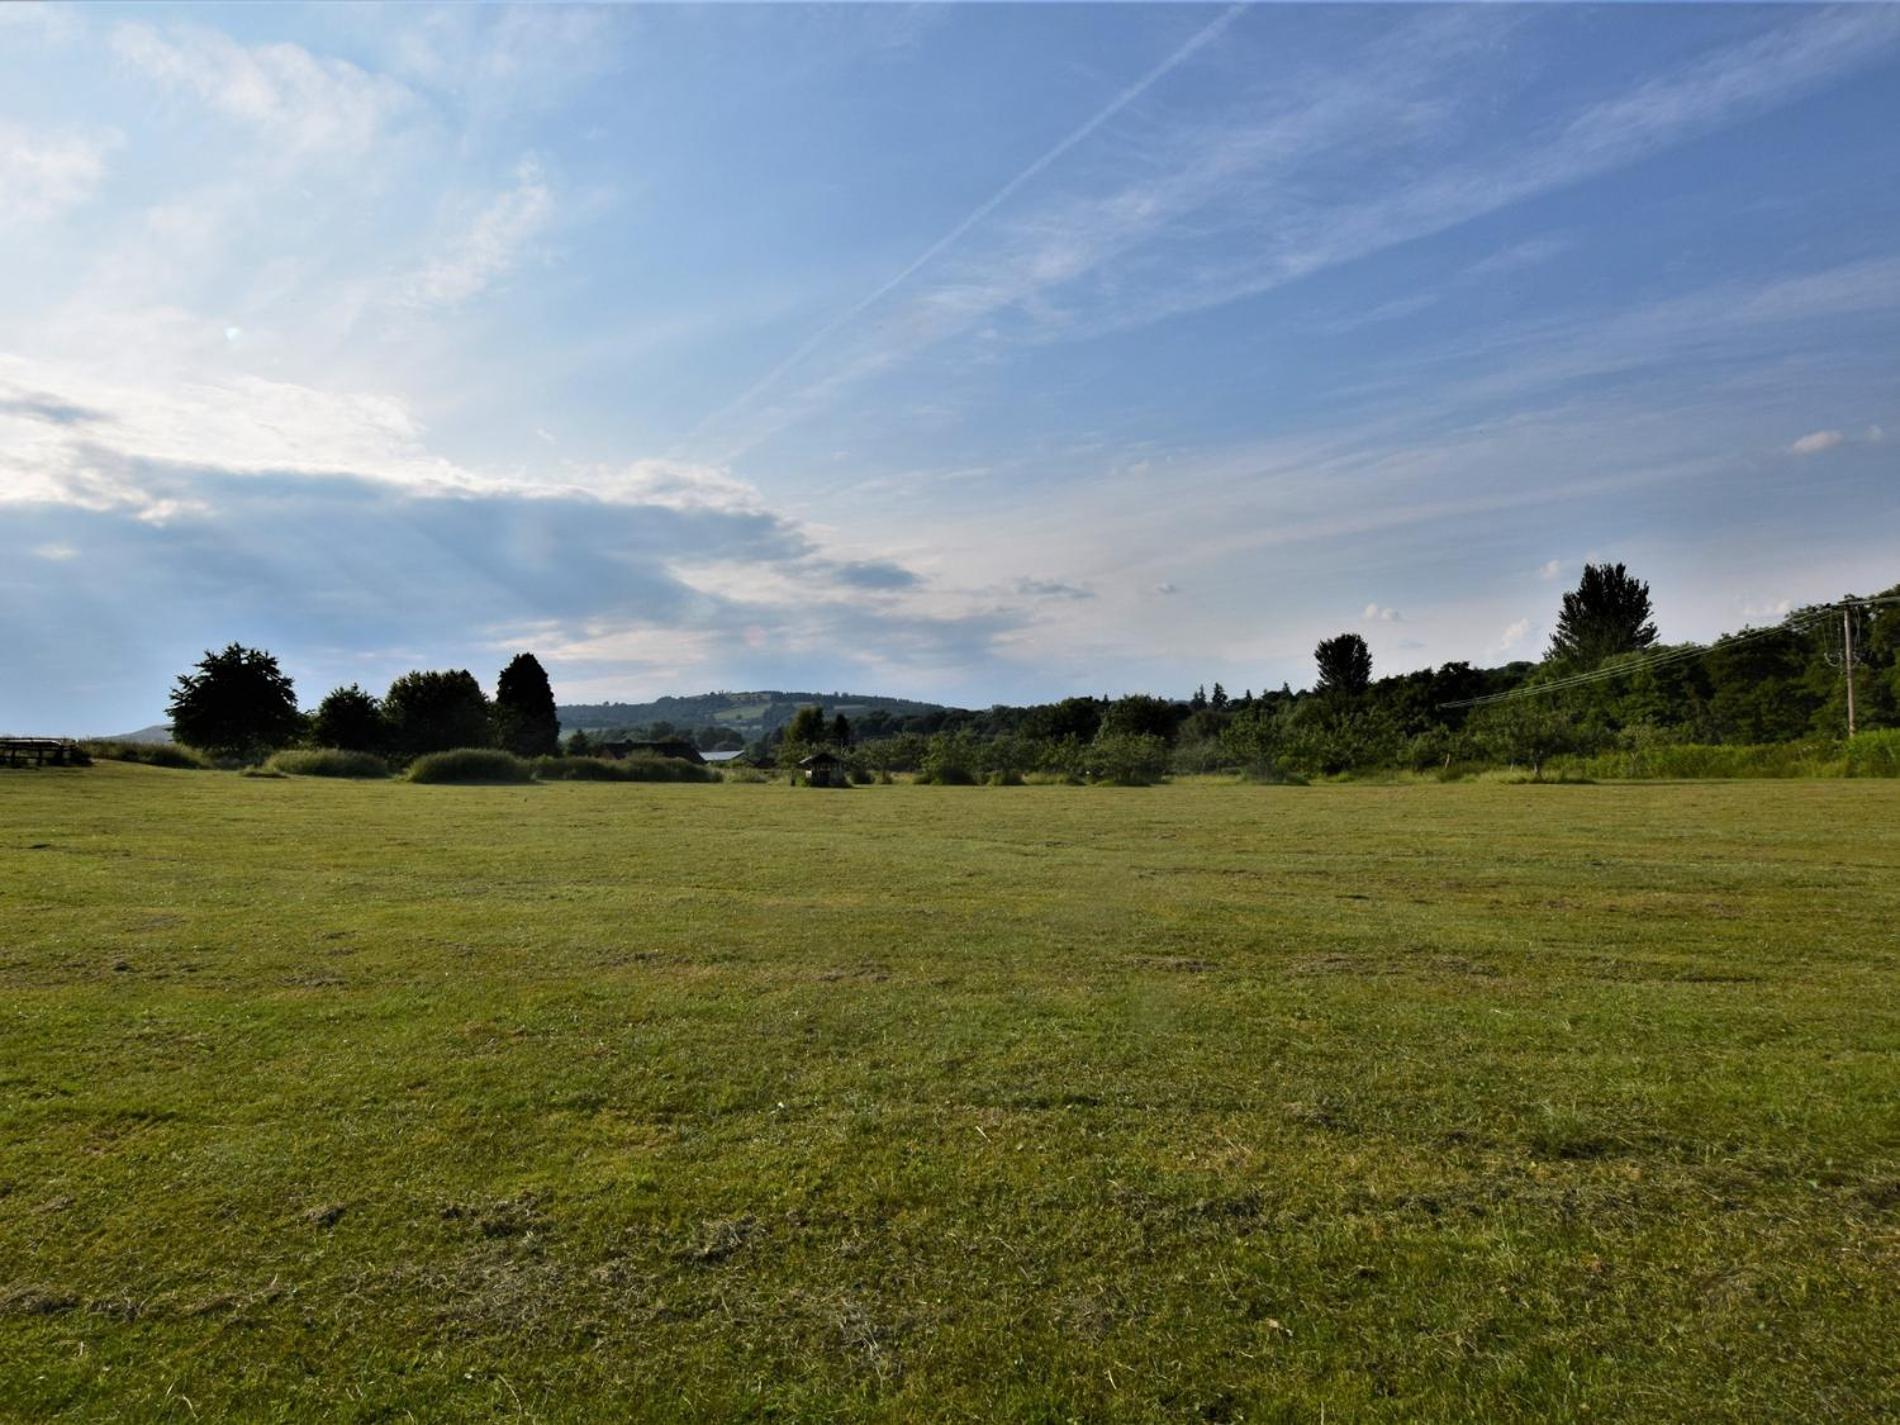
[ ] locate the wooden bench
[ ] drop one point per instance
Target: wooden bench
(58, 751)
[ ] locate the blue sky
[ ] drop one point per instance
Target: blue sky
(978, 353)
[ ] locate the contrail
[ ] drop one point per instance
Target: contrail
(1206, 35)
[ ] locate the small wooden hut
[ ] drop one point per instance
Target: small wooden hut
(823, 769)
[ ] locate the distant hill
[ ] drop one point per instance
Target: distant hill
(748, 714)
(157, 732)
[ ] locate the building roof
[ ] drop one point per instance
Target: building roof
(819, 759)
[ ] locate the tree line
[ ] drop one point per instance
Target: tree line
(239, 704)
(1605, 681)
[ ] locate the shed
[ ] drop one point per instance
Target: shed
(823, 769)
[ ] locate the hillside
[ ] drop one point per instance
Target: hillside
(749, 714)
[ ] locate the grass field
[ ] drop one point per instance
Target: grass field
(346, 1101)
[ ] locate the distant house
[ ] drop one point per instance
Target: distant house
(669, 747)
(823, 769)
(718, 758)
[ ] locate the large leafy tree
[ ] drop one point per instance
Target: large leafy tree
(351, 719)
(1606, 614)
(1140, 715)
(807, 727)
(526, 723)
(433, 712)
(237, 703)
(1078, 718)
(1345, 664)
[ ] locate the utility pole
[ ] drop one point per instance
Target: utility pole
(1847, 642)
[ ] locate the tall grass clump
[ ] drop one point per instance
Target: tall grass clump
(172, 755)
(1874, 754)
(470, 764)
(629, 769)
(1703, 760)
(327, 762)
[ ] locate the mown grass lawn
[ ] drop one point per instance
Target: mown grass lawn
(333, 1101)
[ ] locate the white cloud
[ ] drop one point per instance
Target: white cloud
(1166, 589)
(673, 485)
(1514, 634)
(57, 553)
(307, 102)
(1377, 614)
(1816, 442)
(1550, 569)
(68, 436)
(491, 245)
(1518, 256)
(43, 173)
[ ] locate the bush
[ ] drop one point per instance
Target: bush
(1201, 756)
(470, 764)
(1874, 754)
(151, 754)
(1009, 778)
(951, 760)
(948, 775)
(631, 769)
(577, 769)
(1125, 759)
(664, 769)
(327, 762)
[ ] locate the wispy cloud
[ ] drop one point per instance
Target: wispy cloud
(1199, 40)
(1051, 589)
(1512, 639)
(490, 246)
(1085, 264)
(1816, 442)
(45, 172)
(306, 102)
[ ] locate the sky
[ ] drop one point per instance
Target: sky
(973, 353)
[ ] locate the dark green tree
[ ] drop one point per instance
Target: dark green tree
(1139, 715)
(1072, 717)
(580, 744)
(1606, 614)
(1218, 698)
(1345, 664)
(807, 727)
(840, 732)
(434, 712)
(351, 719)
(1526, 730)
(526, 723)
(237, 703)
